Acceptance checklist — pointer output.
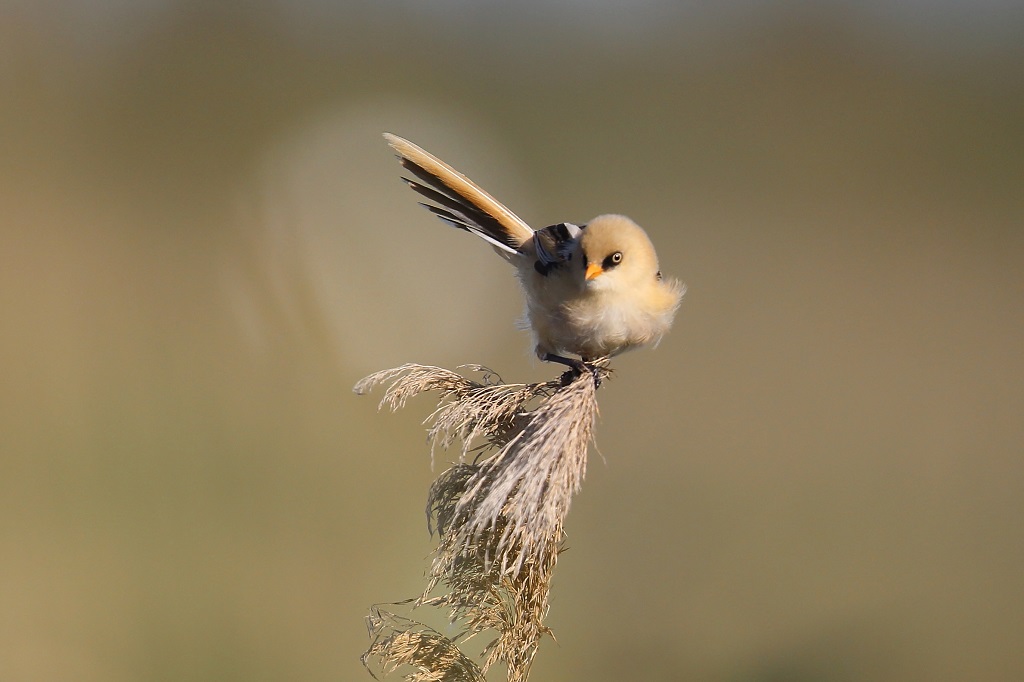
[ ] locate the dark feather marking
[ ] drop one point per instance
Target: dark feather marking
(554, 246)
(486, 223)
(429, 178)
(459, 221)
(449, 217)
(468, 212)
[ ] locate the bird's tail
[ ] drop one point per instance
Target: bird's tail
(458, 201)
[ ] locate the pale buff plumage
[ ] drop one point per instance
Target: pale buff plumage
(594, 291)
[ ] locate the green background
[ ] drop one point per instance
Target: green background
(818, 475)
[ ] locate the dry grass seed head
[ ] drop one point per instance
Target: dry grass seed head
(530, 482)
(499, 521)
(467, 410)
(429, 655)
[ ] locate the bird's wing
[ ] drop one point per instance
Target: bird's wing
(458, 201)
(554, 244)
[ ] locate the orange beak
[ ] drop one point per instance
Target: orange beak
(593, 270)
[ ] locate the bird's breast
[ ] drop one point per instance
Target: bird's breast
(568, 316)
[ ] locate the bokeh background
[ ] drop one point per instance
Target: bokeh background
(819, 475)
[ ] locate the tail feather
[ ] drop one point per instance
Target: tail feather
(459, 221)
(462, 203)
(456, 213)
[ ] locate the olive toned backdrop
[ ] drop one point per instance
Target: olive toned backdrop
(819, 475)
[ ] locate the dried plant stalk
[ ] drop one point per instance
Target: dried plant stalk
(530, 482)
(467, 410)
(432, 657)
(499, 519)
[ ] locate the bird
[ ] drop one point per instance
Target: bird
(593, 290)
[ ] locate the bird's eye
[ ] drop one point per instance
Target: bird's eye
(612, 260)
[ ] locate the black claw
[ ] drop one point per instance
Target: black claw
(576, 369)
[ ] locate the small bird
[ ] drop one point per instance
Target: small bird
(591, 290)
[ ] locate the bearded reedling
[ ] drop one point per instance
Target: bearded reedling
(593, 290)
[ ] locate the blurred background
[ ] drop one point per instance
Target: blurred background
(204, 243)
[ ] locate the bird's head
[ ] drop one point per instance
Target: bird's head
(616, 252)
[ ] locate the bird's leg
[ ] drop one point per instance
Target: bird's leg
(576, 368)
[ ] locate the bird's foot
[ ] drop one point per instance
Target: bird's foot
(576, 369)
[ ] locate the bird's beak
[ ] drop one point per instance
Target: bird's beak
(593, 270)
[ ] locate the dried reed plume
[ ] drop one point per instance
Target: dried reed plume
(498, 518)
